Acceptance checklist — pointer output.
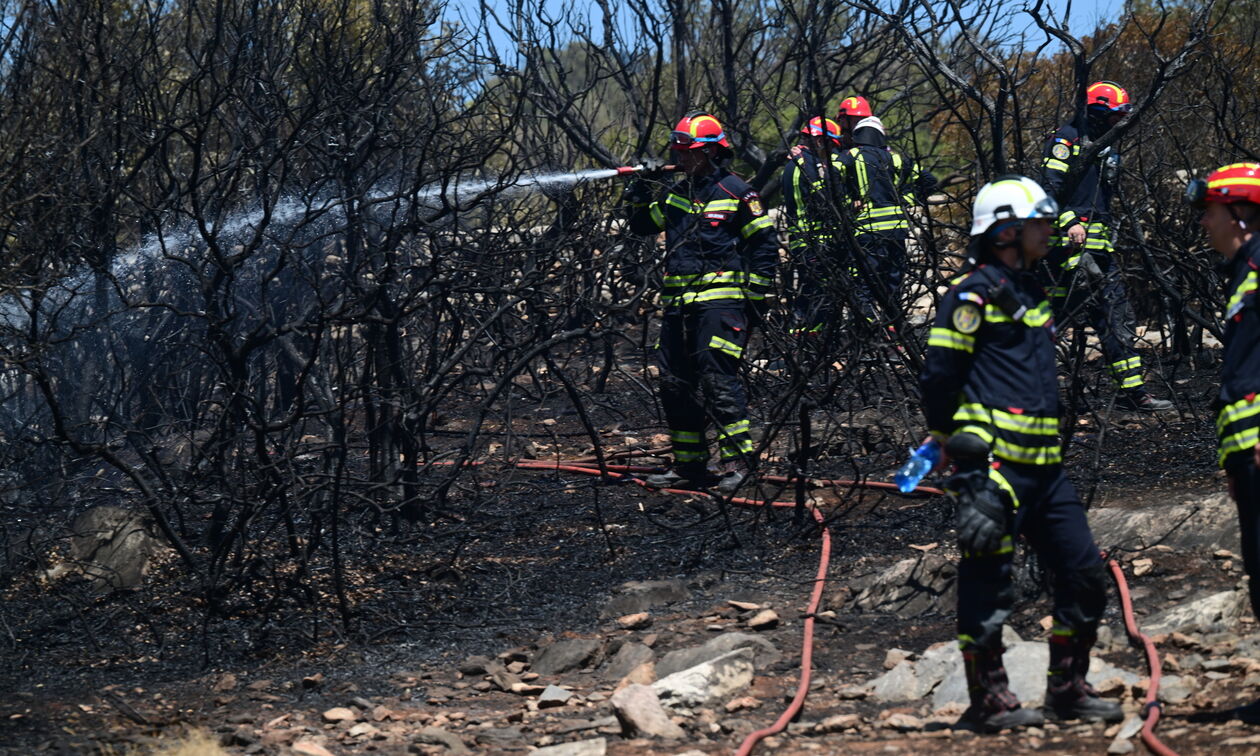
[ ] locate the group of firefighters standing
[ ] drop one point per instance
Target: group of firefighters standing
(1039, 253)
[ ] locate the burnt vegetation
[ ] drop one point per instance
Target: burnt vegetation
(284, 279)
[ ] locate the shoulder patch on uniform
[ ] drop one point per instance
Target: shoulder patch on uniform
(967, 318)
(1061, 150)
(754, 203)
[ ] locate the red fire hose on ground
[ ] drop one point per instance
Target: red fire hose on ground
(1150, 711)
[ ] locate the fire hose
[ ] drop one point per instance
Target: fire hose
(1150, 711)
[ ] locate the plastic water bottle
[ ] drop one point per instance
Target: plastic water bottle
(921, 462)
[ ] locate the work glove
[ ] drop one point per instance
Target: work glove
(982, 516)
(636, 193)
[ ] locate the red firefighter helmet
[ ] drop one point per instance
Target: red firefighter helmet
(695, 130)
(854, 106)
(822, 127)
(1239, 182)
(1109, 95)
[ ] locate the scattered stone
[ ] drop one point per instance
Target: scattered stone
(745, 606)
(644, 674)
(639, 711)
(629, 656)
(501, 677)
(765, 653)
(500, 735)
(553, 696)
(853, 692)
(225, 682)
(895, 656)
(339, 714)
(525, 689)
(898, 684)
(595, 747)
(838, 723)
(1241, 740)
(641, 596)
(764, 620)
(381, 713)
(112, 546)
(475, 665)
(516, 667)
(438, 736)
(744, 702)
(565, 655)
(903, 722)
(1203, 524)
(1215, 612)
(707, 682)
(636, 621)
(364, 730)
(310, 748)
(1142, 566)
(912, 587)
(1121, 746)
(1177, 688)
(313, 681)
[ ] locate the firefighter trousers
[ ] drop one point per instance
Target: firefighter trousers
(1092, 293)
(1244, 484)
(699, 354)
(879, 273)
(1048, 513)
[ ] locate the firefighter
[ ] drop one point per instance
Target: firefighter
(807, 178)
(852, 109)
(720, 260)
(1081, 274)
(990, 395)
(1230, 204)
(879, 185)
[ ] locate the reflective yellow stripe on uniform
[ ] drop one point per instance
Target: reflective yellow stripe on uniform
(755, 225)
(658, 215)
(727, 347)
(1015, 436)
(951, 339)
(685, 437)
(1034, 317)
(1248, 286)
(708, 295)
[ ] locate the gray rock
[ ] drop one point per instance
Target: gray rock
(639, 710)
(898, 684)
(629, 656)
(500, 735)
(565, 655)
(552, 696)
(1204, 524)
(1177, 688)
(640, 596)
(912, 587)
(438, 736)
(595, 747)
(707, 682)
(1025, 664)
(1216, 612)
(474, 665)
(764, 654)
(112, 546)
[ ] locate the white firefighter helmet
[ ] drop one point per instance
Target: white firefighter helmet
(1011, 198)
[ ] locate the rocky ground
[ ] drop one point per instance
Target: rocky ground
(692, 664)
(566, 617)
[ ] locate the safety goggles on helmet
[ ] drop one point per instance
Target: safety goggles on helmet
(1196, 193)
(1238, 182)
(684, 139)
(1010, 198)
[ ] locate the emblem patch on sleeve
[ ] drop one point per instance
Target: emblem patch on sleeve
(754, 203)
(967, 318)
(1061, 151)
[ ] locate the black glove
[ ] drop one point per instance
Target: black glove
(636, 193)
(982, 516)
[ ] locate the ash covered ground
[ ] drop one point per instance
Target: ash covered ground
(453, 618)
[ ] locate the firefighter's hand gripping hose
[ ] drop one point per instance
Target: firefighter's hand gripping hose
(1150, 710)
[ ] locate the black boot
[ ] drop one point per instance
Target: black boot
(684, 475)
(734, 473)
(993, 706)
(1068, 696)
(1141, 400)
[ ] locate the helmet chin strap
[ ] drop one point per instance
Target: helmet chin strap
(1016, 242)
